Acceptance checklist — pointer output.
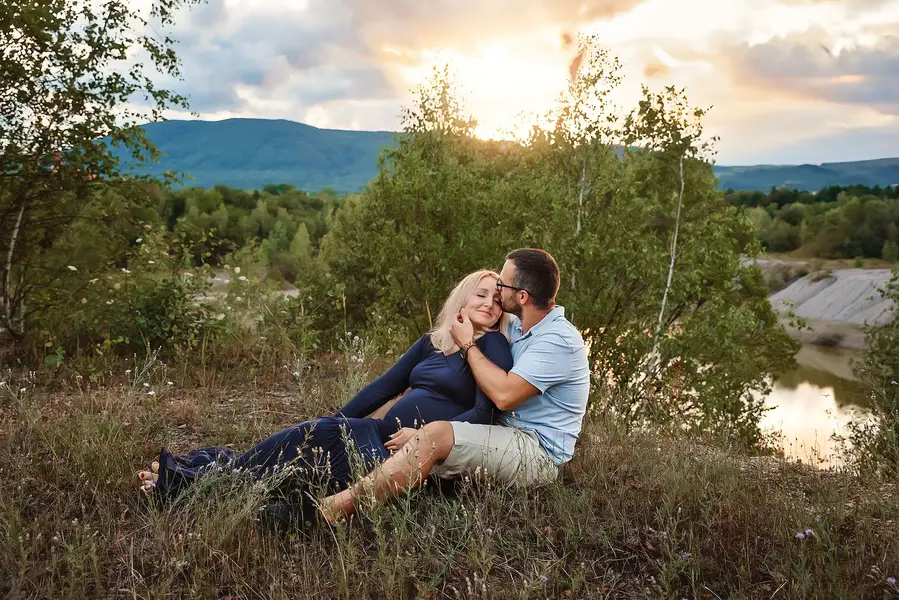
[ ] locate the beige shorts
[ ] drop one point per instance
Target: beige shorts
(504, 454)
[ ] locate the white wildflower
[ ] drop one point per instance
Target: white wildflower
(151, 393)
(237, 269)
(169, 383)
(126, 271)
(152, 262)
(127, 371)
(146, 385)
(71, 268)
(188, 274)
(84, 300)
(242, 278)
(139, 240)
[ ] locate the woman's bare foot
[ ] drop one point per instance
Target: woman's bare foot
(148, 478)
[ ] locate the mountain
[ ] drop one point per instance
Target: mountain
(882, 172)
(251, 153)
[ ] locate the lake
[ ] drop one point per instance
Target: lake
(813, 402)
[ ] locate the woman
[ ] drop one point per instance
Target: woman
(442, 389)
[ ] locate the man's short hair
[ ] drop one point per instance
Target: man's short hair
(536, 272)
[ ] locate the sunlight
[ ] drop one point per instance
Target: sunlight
(500, 83)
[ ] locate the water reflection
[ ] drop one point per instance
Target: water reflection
(815, 401)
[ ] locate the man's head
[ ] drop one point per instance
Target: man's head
(530, 277)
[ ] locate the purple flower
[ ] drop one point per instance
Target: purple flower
(686, 555)
(544, 579)
(809, 532)
(800, 536)
(891, 580)
(818, 519)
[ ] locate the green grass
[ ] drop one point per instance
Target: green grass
(639, 515)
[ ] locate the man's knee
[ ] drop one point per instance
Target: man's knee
(439, 437)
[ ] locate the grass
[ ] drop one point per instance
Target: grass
(636, 515)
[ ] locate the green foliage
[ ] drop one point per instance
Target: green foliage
(890, 251)
(68, 75)
(876, 442)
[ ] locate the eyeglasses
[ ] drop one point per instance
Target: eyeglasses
(500, 284)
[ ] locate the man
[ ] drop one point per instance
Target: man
(543, 398)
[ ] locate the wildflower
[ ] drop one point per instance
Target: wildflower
(544, 579)
(242, 278)
(169, 383)
(84, 300)
(188, 274)
(818, 519)
(809, 532)
(237, 269)
(296, 373)
(800, 536)
(139, 240)
(151, 393)
(94, 280)
(146, 385)
(126, 271)
(152, 262)
(893, 382)
(127, 371)
(686, 555)
(108, 302)
(891, 580)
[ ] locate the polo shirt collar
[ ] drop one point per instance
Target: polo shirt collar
(557, 312)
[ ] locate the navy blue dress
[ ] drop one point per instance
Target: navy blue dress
(442, 389)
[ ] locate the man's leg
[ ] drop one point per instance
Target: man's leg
(399, 474)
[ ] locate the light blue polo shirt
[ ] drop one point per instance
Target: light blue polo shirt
(551, 356)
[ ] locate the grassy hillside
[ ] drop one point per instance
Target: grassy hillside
(250, 153)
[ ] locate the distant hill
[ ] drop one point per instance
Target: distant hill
(250, 153)
(882, 172)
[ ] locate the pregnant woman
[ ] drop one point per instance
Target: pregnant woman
(322, 452)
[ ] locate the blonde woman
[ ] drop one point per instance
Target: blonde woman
(434, 369)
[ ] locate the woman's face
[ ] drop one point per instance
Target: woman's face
(483, 306)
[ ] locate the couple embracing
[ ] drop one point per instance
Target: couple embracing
(497, 389)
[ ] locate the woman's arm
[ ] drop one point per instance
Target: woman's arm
(495, 347)
(390, 384)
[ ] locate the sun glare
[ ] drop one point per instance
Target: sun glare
(503, 86)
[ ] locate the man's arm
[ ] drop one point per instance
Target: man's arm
(507, 390)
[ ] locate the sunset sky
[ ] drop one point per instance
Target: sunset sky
(790, 80)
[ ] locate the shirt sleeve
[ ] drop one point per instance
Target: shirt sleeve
(496, 349)
(546, 362)
(389, 385)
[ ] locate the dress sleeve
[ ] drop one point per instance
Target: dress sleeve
(389, 385)
(496, 349)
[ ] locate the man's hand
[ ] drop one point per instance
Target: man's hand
(398, 440)
(462, 330)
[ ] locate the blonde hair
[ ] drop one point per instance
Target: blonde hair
(440, 335)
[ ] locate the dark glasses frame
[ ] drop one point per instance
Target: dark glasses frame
(500, 284)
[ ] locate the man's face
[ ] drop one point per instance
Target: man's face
(509, 298)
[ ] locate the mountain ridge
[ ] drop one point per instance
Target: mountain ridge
(250, 153)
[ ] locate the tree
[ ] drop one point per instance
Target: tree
(890, 252)
(76, 79)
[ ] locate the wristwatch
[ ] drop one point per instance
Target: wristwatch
(464, 349)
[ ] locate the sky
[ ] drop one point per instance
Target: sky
(788, 81)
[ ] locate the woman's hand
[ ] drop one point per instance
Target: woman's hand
(398, 440)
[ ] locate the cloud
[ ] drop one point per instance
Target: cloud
(303, 58)
(813, 66)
